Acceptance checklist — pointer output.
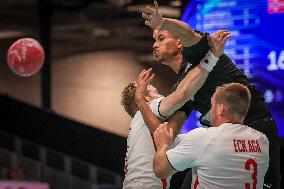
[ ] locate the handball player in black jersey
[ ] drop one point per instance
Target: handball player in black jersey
(195, 46)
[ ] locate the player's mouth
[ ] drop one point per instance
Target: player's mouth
(155, 53)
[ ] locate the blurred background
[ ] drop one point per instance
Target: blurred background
(65, 126)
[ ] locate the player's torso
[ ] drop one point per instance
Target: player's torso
(139, 156)
(140, 149)
(225, 71)
(235, 156)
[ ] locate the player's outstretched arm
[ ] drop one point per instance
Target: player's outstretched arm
(182, 30)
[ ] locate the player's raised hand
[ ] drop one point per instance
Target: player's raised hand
(163, 136)
(152, 16)
(217, 42)
(143, 80)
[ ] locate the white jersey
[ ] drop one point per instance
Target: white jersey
(229, 156)
(140, 154)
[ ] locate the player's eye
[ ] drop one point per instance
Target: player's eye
(161, 38)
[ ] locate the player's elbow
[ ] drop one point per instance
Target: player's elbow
(161, 166)
(189, 37)
(158, 171)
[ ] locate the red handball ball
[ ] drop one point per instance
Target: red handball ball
(25, 57)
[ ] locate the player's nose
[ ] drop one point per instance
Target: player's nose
(155, 45)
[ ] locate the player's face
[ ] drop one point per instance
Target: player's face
(165, 46)
(213, 111)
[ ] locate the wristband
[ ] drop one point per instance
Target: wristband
(209, 61)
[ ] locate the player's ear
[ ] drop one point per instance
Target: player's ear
(221, 109)
(179, 45)
(147, 98)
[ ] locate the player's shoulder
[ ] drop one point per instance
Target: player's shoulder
(196, 133)
(155, 103)
(197, 137)
(249, 132)
(256, 133)
(137, 119)
(154, 106)
(157, 99)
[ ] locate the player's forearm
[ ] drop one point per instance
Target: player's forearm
(185, 90)
(182, 30)
(192, 82)
(196, 77)
(149, 117)
(176, 121)
(160, 163)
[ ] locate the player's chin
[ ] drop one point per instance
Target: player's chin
(158, 58)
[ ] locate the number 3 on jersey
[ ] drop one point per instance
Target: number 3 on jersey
(251, 163)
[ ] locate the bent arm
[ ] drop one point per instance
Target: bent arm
(181, 30)
(161, 166)
(149, 117)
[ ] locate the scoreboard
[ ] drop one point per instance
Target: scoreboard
(256, 45)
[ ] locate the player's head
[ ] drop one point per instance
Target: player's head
(166, 45)
(128, 97)
(230, 103)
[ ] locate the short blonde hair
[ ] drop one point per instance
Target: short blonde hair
(128, 99)
(236, 97)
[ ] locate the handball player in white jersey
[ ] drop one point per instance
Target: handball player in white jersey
(140, 146)
(226, 155)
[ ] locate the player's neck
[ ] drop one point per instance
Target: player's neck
(174, 62)
(235, 120)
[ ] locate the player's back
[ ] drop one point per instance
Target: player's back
(235, 156)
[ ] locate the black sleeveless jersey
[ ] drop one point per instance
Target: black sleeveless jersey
(225, 71)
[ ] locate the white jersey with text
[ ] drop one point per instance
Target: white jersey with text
(140, 154)
(228, 156)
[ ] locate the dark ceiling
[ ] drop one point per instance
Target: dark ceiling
(79, 25)
(67, 27)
